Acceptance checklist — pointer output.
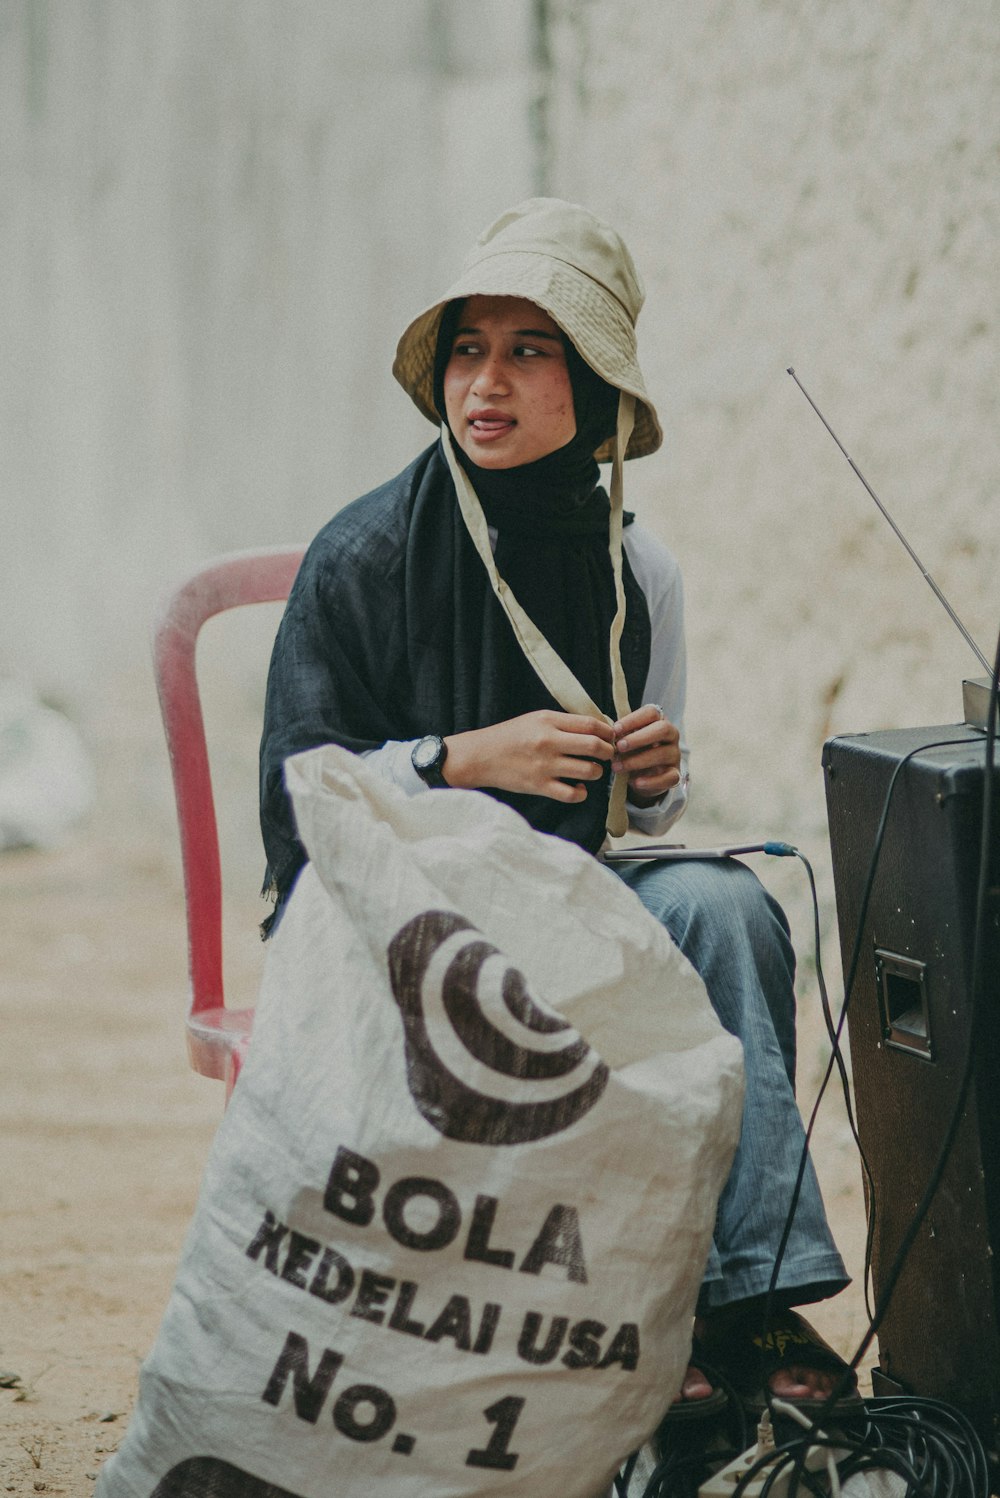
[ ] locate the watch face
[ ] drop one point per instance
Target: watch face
(426, 752)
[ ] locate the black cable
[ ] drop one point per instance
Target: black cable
(849, 980)
(960, 1477)
(931, 1446)
(836, 1052)
(624, 1477)
(924, 1440)
(837, 1059)
(685, 1450)
(976, 1005)
(834, 1033)
(667, 1471)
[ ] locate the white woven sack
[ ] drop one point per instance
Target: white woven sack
(455, 1219)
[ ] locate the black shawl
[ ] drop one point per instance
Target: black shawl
(392, 631)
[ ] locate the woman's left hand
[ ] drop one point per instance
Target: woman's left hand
(648, 751)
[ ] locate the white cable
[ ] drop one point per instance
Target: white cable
(782, 1407)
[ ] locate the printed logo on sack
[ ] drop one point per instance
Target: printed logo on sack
(484, 1062)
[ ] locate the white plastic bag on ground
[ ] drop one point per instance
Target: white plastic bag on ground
(455, 1219)
(46, 776)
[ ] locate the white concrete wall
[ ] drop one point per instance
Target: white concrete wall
(218, 215)
(814, 185)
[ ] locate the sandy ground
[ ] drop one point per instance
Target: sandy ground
(105, 1133)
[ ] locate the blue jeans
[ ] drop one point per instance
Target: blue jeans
(737, 938)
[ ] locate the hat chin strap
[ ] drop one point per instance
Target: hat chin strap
(551, 669)
(617, 815)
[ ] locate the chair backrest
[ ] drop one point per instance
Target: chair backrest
(226, 582)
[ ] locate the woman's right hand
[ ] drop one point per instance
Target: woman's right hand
(537, 754)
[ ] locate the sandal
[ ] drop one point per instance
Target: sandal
(747, 1359)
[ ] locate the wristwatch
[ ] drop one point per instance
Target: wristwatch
(428, 756)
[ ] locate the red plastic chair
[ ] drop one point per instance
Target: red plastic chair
(217, 1037)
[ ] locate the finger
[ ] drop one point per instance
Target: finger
(587, 746)
(563, 790)
(658, 732)
(650, 712)
(572, 768)
(654, 783)
(636, 750)
(595, 727)
(657, 756)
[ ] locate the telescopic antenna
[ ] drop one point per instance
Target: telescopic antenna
(923, 570)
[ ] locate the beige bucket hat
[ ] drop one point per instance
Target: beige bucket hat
(577, 268)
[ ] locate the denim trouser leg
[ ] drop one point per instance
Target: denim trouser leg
(737, 938)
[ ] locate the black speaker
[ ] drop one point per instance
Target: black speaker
(910, 1024)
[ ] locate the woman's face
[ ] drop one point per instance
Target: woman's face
(507, 389)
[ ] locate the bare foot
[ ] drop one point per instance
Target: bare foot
(802, 1383)
(694, 1385)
